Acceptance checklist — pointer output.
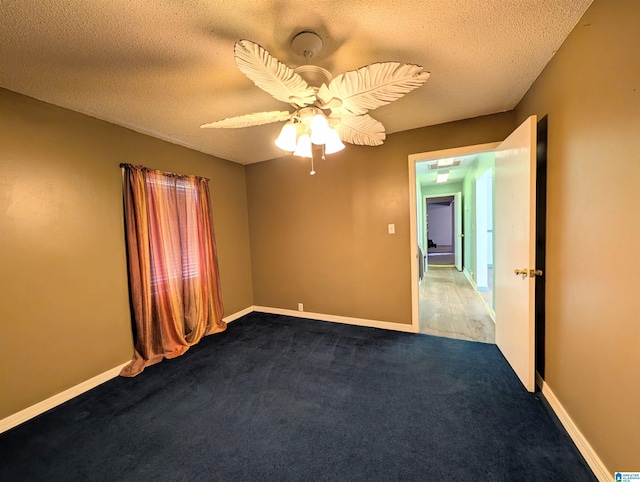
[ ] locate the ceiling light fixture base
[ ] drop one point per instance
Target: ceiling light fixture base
(307, 44)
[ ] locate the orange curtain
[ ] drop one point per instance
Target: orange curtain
(174, 279)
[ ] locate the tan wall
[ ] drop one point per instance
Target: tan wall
(64, 314)
(591, 93)
(322, 240)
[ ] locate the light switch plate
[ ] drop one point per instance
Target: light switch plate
(392, 229)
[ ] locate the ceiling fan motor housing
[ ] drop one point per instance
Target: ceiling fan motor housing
(314, 76)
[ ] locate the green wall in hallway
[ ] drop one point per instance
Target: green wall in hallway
(482, 164)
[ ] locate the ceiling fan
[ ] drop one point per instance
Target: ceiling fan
(328, 111)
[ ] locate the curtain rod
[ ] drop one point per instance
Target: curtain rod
(165, 173)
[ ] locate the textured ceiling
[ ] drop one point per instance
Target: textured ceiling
(163, 67)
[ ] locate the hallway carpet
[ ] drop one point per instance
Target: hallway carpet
(278, 399)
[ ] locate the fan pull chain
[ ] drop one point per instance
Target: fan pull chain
(312, 169)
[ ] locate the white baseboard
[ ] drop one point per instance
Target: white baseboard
(597, 466)
(51, 402)
(470, 278)
(239, 314)
(385, 325)
(473, 284)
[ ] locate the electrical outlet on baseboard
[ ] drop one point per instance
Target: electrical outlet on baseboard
(300, 307)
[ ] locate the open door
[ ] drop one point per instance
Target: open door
(457, 223)
(514, 263)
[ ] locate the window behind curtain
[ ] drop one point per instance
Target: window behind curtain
(180, 260)
(173, 270)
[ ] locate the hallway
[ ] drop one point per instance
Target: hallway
(450, 307)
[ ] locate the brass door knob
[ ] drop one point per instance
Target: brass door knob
(523, 272)
(528, 272)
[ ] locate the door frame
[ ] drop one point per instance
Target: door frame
(413, 159)
(541, 243)
(458, 231)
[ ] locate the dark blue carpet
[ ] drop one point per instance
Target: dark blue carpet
(277, 398)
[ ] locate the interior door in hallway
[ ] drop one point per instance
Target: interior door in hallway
(515, 231)
(457, 223)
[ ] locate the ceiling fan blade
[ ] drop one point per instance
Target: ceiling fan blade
(271, 75)
(248, 120)
(362, 130)
(370, 87)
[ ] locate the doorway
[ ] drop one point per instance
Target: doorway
(440, 232)
(516, 273)
(448, 301)
(443, 230)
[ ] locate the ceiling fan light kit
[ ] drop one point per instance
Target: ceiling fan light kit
(311, 123)
(303, 147)
(327, 111)
(287, 138)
